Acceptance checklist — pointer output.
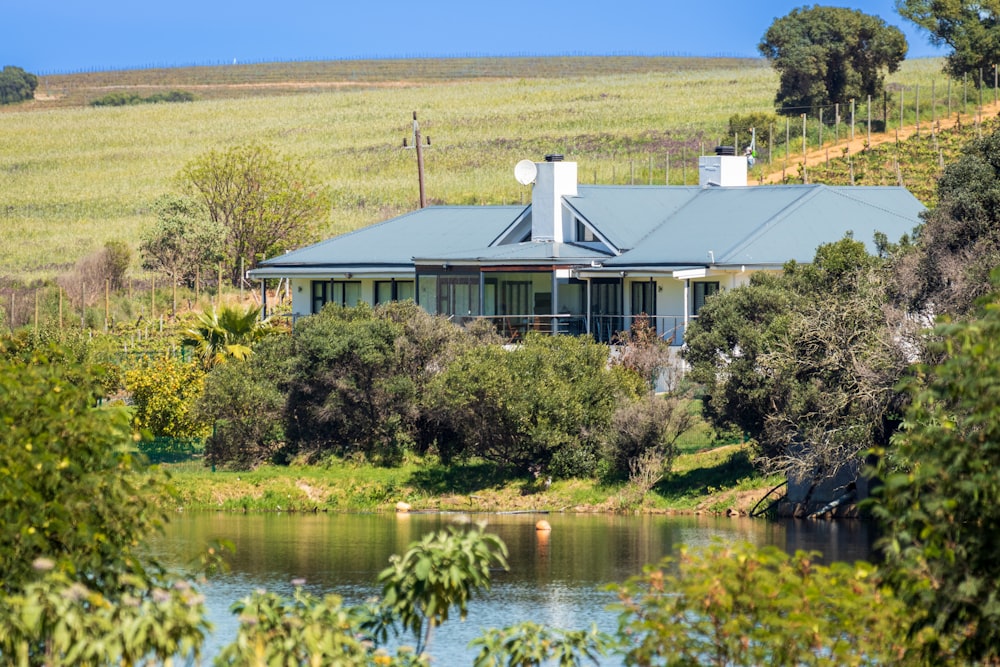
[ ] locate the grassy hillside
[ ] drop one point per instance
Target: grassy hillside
(74, 176)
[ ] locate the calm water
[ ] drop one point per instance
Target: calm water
(553, 579)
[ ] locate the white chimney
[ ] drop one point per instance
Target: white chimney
(722, 170)
(555, 179)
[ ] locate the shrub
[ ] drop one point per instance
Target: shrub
(740, 605)
(122, 99)
(358, 377)
(548, 401)
(76, 507)
(651, 424)
(244, 403)
(163, 391)
(940, 500)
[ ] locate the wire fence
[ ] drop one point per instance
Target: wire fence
(788, 137)
(147, 304)
(164, 449)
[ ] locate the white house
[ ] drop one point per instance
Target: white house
(590, 258)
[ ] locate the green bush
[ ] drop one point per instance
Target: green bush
(16, 85)
(163, 392)
(123, 99)
(547, 402)
(740, 605)
(653, 423)
(940, 500)
(358, 376)
(76, 507)
(244, 402)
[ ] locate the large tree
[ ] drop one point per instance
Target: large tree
(804, 363)
(940, 501)
(183, 242)
(971, 29)
(828, 55)
(264, 202)
(16, 85)
(959, 243)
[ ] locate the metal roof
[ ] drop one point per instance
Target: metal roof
(624, 214)
(395, 242)
(646, 226)
(772, 224)
(528, 252)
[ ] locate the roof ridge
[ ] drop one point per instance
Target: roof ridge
(842, 191)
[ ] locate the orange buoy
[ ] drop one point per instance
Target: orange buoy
(543, 525)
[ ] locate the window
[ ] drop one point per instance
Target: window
(701, 292)
(405, 291)
(458, 295)
(393, 290)
(583, 232)
(643, 298)
(320, 294)
(346, 293)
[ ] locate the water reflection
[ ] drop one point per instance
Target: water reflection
(555, 577)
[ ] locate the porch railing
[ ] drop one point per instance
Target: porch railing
(604, 328)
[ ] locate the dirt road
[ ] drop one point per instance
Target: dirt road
(830, 149)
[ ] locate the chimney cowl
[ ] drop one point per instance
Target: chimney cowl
(553, 157)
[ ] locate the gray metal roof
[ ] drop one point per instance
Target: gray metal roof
(624, 214)
(396, 241)
(528, 252)
(772, 224)
(650, 226)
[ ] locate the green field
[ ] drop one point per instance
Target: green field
(74, 176)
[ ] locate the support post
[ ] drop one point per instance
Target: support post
(420, 160)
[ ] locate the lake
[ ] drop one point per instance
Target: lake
(554, 578)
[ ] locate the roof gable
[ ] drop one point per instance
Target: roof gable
(624, 214)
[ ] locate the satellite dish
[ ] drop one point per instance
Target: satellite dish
(525, 172)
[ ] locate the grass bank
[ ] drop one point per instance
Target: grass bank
(715, 480)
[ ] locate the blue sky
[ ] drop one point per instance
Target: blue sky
(58, 36)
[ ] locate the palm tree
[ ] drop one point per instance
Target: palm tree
(229, 333)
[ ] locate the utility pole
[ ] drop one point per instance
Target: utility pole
(420, 158)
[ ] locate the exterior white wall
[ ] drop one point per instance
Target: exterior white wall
(301, 297)
(670, 308)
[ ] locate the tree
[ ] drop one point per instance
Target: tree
(184, 242)
(77, 505)
(805, 363)
(743, 605)
(940, 501)
(828, 55)
(948, 267)
(115, 262)
(16, 85)
(971, 29)
(264, 203)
